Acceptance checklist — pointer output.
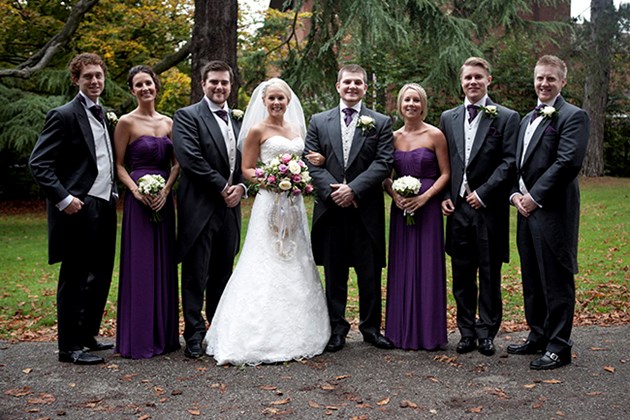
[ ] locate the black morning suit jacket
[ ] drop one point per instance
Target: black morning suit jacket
(200, 149)
(64, 162)
(490, 169)
(369, 163)
(549, 169)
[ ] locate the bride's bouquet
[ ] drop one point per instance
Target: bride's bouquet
(152, 185)
(407, 186)
(285, 173)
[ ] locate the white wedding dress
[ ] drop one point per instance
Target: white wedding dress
(273, 308)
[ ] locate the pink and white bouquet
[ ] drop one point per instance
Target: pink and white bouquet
(407, 186)
(152, 185)
(285, 173)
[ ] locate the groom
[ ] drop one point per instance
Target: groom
(349, 215)
(208, 197)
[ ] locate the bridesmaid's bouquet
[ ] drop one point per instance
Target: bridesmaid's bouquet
(286, 173)
(407, 186)
(152, 185)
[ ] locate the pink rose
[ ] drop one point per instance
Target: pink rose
(258, 172)
(271, 179)
(283, 168)
(301, 163)
(297, 178)
(308, 189)
(286, 158)
(296, 191)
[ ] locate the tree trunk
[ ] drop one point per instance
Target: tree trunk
(603, 30)
(214, 38)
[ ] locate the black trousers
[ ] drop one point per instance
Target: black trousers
(475, 252)
(548, 289)
(206, 270)
(351, 246)
(86, 272)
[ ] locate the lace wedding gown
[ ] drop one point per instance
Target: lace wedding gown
(273, 308)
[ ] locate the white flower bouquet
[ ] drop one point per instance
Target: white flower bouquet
(407, 186)
(152, 185)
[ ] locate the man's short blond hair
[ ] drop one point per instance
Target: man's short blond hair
(552, 60)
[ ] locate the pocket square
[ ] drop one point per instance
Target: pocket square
(550, 131)
(493, 132)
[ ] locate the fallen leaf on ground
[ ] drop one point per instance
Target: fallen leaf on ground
(340, 377)
(475, 409)
(194, 412)
(327, 387)
(19, 392)
(220, 386)
(361, 417)
(408, 404)
(176, 392)
(610, 369)
(27, 370)
(593, 393)
(552, 381)
(281, 402)
(42, 399)
(332, 407)
(313, 404)
(599, 349)
(268, 387)
(144, 417)
(529, 386)
(384, 401)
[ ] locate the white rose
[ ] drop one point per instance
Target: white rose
(285, 185)
(294, 167)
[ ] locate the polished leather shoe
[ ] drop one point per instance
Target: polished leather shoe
(193, 350)
(529, 347)
(466, 345)
(79, 357)
(335, 343)
(550, 361)
(379, 341)
(486, 346)
(93, 345)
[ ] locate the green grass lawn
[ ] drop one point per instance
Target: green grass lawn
(28, 283)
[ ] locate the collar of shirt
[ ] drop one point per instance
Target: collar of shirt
(481, 102)
(550, 103)
(88, 102)
(356, 107)
(214, 107)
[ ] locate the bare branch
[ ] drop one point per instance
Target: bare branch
(41, 58)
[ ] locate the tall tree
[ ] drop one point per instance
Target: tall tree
(603, 29)
(214, 38)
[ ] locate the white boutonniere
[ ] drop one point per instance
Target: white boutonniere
(112, 118)
(237, 114)
(366, 123)
(491, 110)
(547, 111)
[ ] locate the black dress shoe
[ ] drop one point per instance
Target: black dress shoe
(335, 343)
(466, 345)
(79, 357)
(93, 345)
(486, 346)
(550, 361)
(193, 350)
(529, 347)
(378, 340)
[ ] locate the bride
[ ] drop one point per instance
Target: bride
(273, 308)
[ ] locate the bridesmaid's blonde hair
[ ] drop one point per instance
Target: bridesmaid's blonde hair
(278, 83)
(424, 102)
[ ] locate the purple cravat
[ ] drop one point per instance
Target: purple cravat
(536, 112)
(96, 110)
(222, 114)
(349, 112)
(472, 112)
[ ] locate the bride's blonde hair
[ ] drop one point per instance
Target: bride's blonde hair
(280, 84)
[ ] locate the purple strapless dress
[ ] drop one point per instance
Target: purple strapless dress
(416, 273)
(147, 321)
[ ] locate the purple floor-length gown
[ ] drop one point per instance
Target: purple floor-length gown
(147, 320)
(416, 274)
